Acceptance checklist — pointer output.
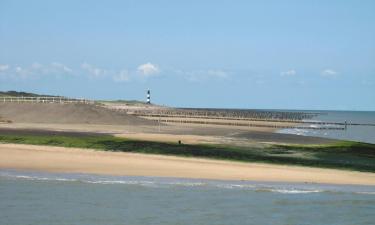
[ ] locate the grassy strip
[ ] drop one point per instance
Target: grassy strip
(351, 147)
(343, 155)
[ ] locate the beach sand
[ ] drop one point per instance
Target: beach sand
(73, 160)
(82, 120)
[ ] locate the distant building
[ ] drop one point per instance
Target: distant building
(148, 97)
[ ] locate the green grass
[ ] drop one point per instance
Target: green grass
(128, 102)
(349, 147)
(342, 155)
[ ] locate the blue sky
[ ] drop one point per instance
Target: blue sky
(227, 54)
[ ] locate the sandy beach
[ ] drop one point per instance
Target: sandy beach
(83, 120)
(73, 160)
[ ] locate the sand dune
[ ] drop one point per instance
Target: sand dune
(73, 160)
(66, 113)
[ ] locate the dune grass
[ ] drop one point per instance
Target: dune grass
(342, 155)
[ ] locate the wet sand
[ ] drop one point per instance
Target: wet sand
(168, 133)
(74, 160)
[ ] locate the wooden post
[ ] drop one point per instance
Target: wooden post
(159, 123)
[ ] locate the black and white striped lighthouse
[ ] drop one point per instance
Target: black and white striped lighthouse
(148, 97)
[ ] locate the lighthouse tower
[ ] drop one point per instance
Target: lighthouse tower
(148, 97)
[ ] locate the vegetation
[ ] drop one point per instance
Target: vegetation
(27, 94)
(122, 102)
(126, 102)
(21, 94)
(343, 155)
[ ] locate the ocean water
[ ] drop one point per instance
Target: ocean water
(354, 133)
(48, 198)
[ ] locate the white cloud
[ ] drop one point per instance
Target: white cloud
(36, 70)
(217, 73)
(61, 67)
(288, 73)
(21, 73)
(36, 66)
(54, 68)
(141, 72)
(93, 70)
(122, 76)
(203, 75)
(4, 68)
(19, 69)
(148, 69)
(329, 73)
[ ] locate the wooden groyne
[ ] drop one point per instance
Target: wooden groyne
(246, 113)
(239, 124)
(259, 115)
(243, 118)
(303, 118)
(146, 115)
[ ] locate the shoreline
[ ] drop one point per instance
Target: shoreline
(76, 160)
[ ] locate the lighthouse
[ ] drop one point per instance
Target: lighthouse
(148, 97)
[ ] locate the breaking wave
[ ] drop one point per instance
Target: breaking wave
(158, 182)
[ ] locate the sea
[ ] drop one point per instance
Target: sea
(362, 133)
(37, 198)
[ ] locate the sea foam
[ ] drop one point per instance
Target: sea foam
(159, 182)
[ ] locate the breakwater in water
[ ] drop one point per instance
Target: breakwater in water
(268, 115)
(360, 126)
(244, 118)
(228, 122)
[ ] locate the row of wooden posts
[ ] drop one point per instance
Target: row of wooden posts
(226, 114)
(249, 124)
(45, 100)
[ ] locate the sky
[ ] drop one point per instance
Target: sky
(264, 54)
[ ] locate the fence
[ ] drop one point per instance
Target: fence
(45, 99)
